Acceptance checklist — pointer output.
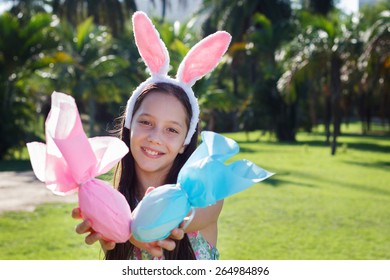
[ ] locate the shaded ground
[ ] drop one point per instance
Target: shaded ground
(22, 191)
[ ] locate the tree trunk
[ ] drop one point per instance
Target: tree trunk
(313, 100)
(92, 113)
(367, 112)
(328, 114)
(164, 10)
(285, 122)
(335, 87)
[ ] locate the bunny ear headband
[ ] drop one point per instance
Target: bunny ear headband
(199, 61)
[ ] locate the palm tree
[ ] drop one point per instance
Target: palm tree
(325, 42)
(91, 70)
(258, 29)
(322, 7)
(27, 8)
(374, 64)
(22, 53)
(111, 13)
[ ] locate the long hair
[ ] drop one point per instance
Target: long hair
(125, 177)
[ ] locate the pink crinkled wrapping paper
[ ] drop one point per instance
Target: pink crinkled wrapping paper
(69, 162)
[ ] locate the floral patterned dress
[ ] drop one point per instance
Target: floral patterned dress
(202, 249)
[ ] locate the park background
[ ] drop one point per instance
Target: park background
(304, 89)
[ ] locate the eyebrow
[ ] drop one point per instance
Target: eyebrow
(170, 121)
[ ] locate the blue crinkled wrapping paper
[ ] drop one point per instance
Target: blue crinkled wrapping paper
(203, 180)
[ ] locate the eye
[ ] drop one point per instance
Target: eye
(172, 130)
(145, 122)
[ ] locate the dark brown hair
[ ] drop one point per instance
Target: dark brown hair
(127, 178)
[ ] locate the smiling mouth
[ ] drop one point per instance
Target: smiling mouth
(151, 152)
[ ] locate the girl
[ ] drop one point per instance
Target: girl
(157, 152)
(160, 129)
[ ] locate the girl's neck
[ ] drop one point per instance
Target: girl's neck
(146, 180)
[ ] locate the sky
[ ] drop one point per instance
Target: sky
(349, 6)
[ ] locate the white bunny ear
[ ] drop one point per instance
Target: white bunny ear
(203, 57)
(151, 48)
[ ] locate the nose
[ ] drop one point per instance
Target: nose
(154, 137)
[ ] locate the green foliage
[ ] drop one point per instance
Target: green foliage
(276, 77)
(178, 38)
(327, 69)
(375, 61)
(22, 51)
(369, 13)
(266, 35)
(258, 29)
(88, 68)
(112, 13)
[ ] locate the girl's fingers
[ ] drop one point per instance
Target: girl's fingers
(177, 234)
(76, 213)
(92, 238)
(155, 248)
(167, 244)
(83, 227)
(107, 245)
(156, 251)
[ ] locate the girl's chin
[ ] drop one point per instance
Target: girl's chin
(153, 168)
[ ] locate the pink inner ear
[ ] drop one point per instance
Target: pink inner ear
(148, 42)
(204, 57)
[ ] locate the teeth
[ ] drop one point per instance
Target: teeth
(152, 153)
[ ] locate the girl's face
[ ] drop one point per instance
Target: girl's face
(158, 131)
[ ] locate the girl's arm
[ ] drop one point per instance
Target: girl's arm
(205, 221)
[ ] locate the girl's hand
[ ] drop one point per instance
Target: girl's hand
(93, 236)
(155, 248)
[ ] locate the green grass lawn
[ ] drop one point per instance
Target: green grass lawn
(315, 207)
(48, 233)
